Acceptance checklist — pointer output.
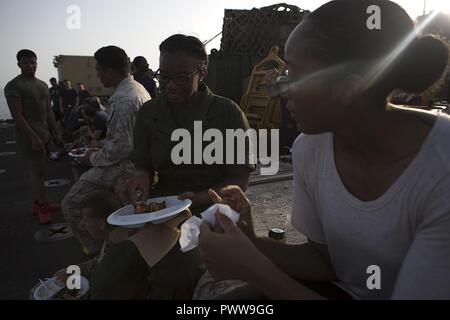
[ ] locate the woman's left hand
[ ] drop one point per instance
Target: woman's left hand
(231, 254)
(191, 196)
(186, 195)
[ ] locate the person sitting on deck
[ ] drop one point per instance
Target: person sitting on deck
(118, 271)
(84, 134)
(111, 161)
(76, 121)
(184, 99)
(371, 180)
(97, 121)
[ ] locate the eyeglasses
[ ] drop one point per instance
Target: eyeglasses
(181, 79)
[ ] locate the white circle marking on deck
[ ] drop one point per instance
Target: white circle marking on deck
(54, 232)
(7, 153)
(53, 183)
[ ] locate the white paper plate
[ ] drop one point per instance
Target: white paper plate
(126, 217)
(81, 155)
(54, 287)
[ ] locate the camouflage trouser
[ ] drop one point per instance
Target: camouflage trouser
(72, 205)
(96, 179)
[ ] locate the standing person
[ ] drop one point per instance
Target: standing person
(371, 180)
(83, 95)
(112, 160)
(144, 75)
(29, 102)
(56, 103)
(68, 101)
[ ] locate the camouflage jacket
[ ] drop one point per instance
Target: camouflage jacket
(114, 155)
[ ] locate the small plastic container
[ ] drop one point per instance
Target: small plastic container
(277, 234)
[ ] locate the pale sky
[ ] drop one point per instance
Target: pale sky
(138, 26)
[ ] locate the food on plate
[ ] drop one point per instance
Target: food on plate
(78, 151)
(142, 207)
(75, 293)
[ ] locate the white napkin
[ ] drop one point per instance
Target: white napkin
(190, 229)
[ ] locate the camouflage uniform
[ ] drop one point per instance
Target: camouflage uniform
(112, 161)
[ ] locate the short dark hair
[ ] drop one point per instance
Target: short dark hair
(102, 204)
(139, 60)
(25, 53)
(189, 45)
(52, 79)
(113, 57)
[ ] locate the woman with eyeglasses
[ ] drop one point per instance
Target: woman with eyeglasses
(184, 99)
(371, 180)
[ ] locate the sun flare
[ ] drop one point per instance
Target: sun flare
(441, 5)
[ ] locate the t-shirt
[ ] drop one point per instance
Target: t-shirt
(69, 97)
(35, 98)
(54, 95)
(148, 83)
(405, 232)
(83, 96)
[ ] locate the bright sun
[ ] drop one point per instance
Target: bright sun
(442, 5)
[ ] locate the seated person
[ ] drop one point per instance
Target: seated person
(371, 181)
(118, 271)
(112, 160)
(80, 137)
(184, 99)
(97, 120)
(76, 120)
